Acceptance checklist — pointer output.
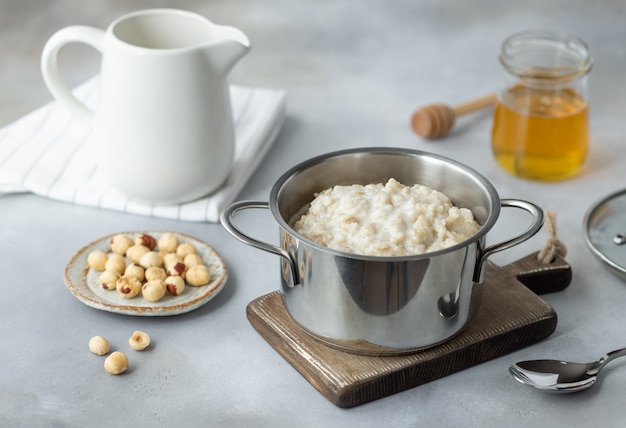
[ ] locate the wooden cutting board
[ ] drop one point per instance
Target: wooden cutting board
(509, 317)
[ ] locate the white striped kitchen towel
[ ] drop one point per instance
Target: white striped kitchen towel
(51, 153)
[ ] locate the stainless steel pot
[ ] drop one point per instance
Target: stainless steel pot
(381, 305)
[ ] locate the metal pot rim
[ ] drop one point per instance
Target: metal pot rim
(484, 229)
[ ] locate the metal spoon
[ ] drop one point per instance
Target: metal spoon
(561, 376)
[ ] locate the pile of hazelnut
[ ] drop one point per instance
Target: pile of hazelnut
(117, 362)
(150, 267)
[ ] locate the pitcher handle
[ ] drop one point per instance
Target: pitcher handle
(537, 223)
(50, 69)
(226, 218)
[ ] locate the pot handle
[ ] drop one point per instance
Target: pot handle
(534, 211)
(226, 218)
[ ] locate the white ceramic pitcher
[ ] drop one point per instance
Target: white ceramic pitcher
(163, 120)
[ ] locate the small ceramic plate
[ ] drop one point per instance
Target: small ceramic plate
(603, 222)
(84, 283)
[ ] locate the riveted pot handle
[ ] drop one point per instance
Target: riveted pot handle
(226, 218)
(537, 223)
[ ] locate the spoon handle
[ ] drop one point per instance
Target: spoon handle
(610, 356)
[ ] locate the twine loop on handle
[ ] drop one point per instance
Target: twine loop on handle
(553, 246)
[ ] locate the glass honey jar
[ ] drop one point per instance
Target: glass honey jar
(541, 121)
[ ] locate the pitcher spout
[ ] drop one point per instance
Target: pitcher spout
(232, 45)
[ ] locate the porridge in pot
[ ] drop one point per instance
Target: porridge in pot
(385, 220)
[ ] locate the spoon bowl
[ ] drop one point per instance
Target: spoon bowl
(561, 376)
(544, 375)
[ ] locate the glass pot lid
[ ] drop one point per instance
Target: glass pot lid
(605, 231)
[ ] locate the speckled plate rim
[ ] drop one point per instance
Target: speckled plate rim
(80, 282)
(591, 219)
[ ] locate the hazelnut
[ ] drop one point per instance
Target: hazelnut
(135, 270)
(168, 242)
(115, 263)
(139, 341)
(155, 272)
(171, 258)
(128, 286)
(120, 243)
(193, 260)
(186, 248)
(116, 363)
(198, 275)
(177, 269)
(146, 240)
(136, 252)
(174, 285)
(151, 259)
(153, 290)
(99, 345)
(97, 260)
(108, 279)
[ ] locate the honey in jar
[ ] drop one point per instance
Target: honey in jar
(541, 125)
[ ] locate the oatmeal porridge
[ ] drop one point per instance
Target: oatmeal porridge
(385, 220)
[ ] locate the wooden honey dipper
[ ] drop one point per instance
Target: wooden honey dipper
(436, 120)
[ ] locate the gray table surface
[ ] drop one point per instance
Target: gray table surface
(354, 72)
